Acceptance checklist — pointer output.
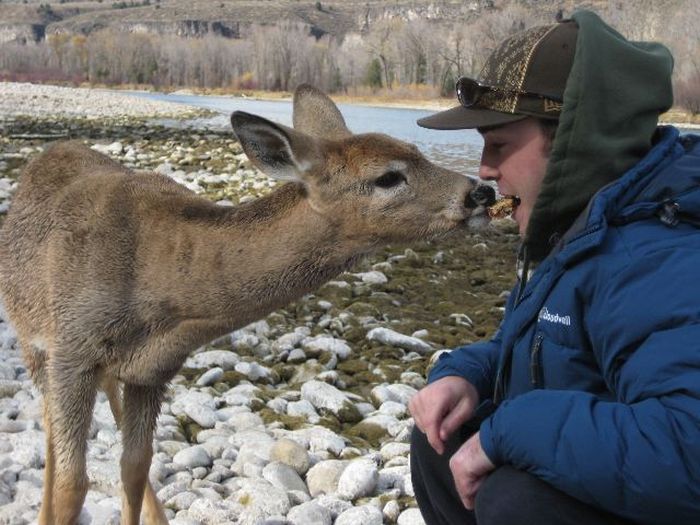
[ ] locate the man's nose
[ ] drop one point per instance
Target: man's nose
(487, 172)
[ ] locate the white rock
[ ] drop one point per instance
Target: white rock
(206, 512)
(315, 346)
(182, 501)
(392, 338)
(328, 398)
(283, 477)
(358, 479)
(391, 511)
(333, 503)
(291, 453)
(323, 477)
(303, 408)
(373, 277)
(320, 439)
(260, 500)
(196, 456)
(366, 515)
(393, 408)
(391, 450)
(211, 376)
(253, 371)
(310, 513)
(290, 340)
(411, 516)
(224, 359)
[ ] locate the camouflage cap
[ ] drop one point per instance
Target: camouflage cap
(525, 76)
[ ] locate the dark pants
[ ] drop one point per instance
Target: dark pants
(507, 497)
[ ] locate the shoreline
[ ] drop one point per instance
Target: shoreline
(53, 101)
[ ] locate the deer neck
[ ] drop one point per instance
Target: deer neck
(265, 254)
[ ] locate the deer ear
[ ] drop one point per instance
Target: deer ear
(278, 151)
(317, 115)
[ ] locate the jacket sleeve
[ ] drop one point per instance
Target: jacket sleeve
(640, 455)
(476, 363)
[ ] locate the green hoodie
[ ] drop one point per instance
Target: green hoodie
(614, 95)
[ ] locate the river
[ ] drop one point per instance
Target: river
(458, 150)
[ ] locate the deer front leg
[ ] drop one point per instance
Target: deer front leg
(70, 401)
(141, 409)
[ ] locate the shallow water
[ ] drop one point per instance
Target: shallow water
(458, 150)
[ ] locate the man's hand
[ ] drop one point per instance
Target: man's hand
(470, 466)
(442, 407)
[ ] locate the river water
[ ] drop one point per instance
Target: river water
(458, 150)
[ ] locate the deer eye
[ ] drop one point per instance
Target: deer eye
(390, 179)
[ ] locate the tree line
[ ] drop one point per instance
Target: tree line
(418, 56)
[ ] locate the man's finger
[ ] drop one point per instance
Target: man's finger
(433, 433)
(457, 416)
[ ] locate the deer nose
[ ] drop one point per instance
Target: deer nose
(482, 195)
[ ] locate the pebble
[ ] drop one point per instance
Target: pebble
(358, 479)
(291, 453)
(392, 338)
(310, 513)
(410, 516)
(196, 456)
(365, 514)
(323, 477)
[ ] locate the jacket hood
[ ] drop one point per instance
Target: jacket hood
(614, 95)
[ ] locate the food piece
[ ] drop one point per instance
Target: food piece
(503, 207)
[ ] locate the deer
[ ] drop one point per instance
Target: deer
(112, 277)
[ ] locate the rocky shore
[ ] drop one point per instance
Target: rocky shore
(300, 418)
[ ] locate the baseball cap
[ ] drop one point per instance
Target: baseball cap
(525, 76)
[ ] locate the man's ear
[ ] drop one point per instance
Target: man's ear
(317, 115)
(278, 151)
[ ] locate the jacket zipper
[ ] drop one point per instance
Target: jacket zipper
(535, 364)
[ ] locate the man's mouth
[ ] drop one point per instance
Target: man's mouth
(504, 207)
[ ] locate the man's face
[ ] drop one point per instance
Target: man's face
(515, 157)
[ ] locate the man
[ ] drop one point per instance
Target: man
(585, 406)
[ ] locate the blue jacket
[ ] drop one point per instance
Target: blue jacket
(603, 394)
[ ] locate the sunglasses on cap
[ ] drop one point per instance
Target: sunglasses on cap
(470, 91)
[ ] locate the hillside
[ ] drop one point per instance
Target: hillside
(230, 18)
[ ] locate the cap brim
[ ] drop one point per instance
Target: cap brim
(467, 118)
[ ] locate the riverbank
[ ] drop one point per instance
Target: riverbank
(45, 101)
(299, 418)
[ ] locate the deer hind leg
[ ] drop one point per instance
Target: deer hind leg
(152, 511)
(35, 358)
(70, 399)
(141, 409)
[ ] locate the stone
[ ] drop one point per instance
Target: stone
(224, 359)
(411, 516)
(283, 477)
(323, 477)
(196, 456)
(303, 408)
(317, 345)
(210, 377)
(328, 399)
(260, 500)
(391, 511)
(291, 453)
(358, 479)
(392, 450)
(392, 338)
(365, 514)
(310, 513)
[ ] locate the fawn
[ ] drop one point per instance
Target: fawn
(111, 276)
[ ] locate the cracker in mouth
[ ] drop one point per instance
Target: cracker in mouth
(503, 207)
